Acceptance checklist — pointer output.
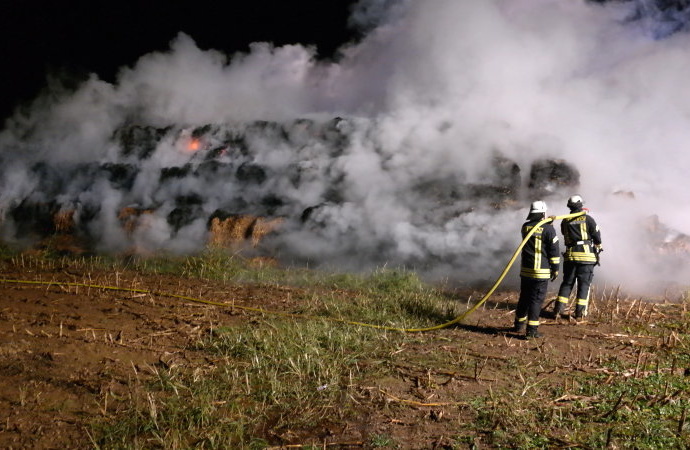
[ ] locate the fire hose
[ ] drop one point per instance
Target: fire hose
(456, 320)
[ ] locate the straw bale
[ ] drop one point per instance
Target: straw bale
(133, 218)
(263, 226)
(63, 220)
(230, 231)
(677, 246)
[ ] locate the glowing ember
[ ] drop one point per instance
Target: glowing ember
(194, 145)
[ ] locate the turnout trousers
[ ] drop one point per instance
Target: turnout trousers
(580, 273)
(532, 295)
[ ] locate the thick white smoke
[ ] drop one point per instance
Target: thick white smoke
(431, 98)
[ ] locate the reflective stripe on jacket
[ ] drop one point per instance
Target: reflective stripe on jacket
(580, 234)
(541, 252)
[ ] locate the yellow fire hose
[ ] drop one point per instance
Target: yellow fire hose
(458, 319)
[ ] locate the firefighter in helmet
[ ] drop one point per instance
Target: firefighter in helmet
(582, 247)
(540, 261)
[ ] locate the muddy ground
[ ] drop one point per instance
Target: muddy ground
(65, 350)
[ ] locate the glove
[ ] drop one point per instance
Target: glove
(599, 248)
(554, 275)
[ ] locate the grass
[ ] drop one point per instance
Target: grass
(386, 297)
(648, 411)
(264, 368)
(6, 252)
(638, 399)
(277, 380)
(598, 414)
(266, 371)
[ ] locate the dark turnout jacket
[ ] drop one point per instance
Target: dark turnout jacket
(541, 252)
(580, 234)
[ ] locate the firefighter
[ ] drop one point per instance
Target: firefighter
(582, 247)
(540, 262)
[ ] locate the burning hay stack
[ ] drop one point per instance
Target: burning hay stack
(222, 186)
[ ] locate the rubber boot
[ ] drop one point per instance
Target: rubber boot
(580, 312)
(532, 333)
(558, 309)
(519, 327)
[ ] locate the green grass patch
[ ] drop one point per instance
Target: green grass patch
(6, 252)
(265, 373)
(640, 406)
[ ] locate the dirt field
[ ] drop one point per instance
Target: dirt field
(65, 351)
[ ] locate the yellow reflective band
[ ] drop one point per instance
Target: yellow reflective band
(580, 256)
(563, 299)
(582, 302)
(534, 271)
(583, 231)
(583, 260)
(533, 323)
(538, 274)
(522, 319)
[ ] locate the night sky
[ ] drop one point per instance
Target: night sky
(73, 39)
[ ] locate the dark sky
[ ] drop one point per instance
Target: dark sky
(75, 38)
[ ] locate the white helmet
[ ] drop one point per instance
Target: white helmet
(574, 200)
(537, 207)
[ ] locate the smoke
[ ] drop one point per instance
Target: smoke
(419, 145)
(660, 18)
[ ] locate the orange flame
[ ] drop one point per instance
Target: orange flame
(194, 145)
